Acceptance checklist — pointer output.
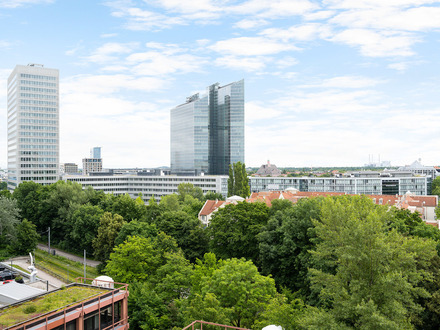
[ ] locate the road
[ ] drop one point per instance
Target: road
(69, 256)
(23, 262)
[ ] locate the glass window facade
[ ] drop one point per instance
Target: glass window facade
(207, 133)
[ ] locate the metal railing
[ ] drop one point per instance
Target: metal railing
(211, 323)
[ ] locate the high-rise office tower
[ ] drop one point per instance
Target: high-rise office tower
(33, 125)
(95, 152)
(207, 133)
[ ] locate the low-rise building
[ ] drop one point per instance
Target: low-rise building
(77, 306)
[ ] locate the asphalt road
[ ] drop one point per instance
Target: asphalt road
(69, 256)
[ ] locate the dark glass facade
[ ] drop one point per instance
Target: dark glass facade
(207, 133)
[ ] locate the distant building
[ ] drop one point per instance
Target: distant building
(417, 168)
(69, 168)
(94, 163)
(207, 133)
(268, 170)
(33, 125)
(95, 152)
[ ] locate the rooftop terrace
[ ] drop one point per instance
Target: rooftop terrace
(48, 303)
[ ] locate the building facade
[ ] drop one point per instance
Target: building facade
(70, 168)
(207, 133)
(33, 125)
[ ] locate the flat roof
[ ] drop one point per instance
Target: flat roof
(47, 302)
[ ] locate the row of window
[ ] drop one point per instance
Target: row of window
(39, 153)
(32, 140)
(38, 165)
(38, 102)
(45, 109)
(38, 146)
(38, 121)
(38, 178)
(36, 76)
(37, 89)
(38, 83)
(37, 134)
(35, 172)
(38, 128)
(34, 159)
(39, 96)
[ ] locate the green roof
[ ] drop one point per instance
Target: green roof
(29, 309)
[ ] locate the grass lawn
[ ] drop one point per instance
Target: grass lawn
(65, 269)
(45, 304)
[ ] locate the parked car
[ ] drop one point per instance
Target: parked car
(6, 275)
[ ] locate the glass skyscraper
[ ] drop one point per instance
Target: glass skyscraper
(207, 133)
(33, 125)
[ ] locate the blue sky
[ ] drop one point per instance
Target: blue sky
(327, 83)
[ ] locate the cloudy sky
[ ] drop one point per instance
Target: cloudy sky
(327, 83)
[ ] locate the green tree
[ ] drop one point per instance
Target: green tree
(3, 185)
(286, 241)
(236, 290)
(9, 218)
(85, 223)
(136, 228)
(170, 202)
(28, 196)
(367, 276)
(238, 183)
(186, 230)
(108, 230)
(231, 181)
(127, 208)
(27, 238)
(435, 186)
(210, 195)
(234, 229)
(185, 189)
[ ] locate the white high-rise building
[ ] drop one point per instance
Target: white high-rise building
(33, 125)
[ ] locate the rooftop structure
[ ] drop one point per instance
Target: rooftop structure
(76, 306)
(268, 170)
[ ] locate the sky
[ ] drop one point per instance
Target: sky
(327, 83)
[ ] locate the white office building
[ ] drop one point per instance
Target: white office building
(33, 125)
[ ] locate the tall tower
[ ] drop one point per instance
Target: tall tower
(207, 133)
(33, 125)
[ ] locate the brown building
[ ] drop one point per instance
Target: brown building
(77, 306)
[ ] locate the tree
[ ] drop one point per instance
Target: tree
(27, 238)
(9, 218)
(136, 228)
(186, 230)
(234, 229)
(210, 195)
(109, 227)
(435, 186)
(28, 196)
(238, 183)
(170, 202)
(367, 276)
(185, 189)
(85, 223)
(236, 290)
(286, 241)
(127, 208)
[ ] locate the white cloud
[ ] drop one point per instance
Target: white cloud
(110, 51)
(242, 63)
(251, 23)
(304, 32)
(251, 46)
(273, 8)
(344, 82)
(20, 3)
(377, 44)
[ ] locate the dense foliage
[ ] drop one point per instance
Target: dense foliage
(331, 263)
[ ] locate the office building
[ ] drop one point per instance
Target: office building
(70, 168)
(94, 163)
(33, 125)
(95, 152)
(207, 132)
